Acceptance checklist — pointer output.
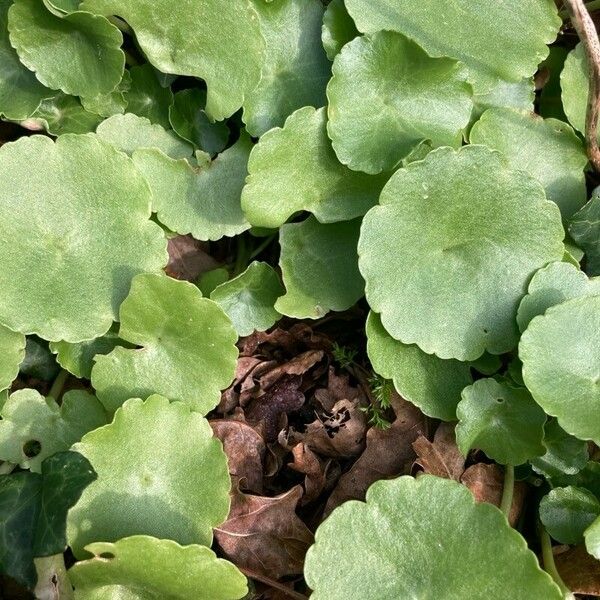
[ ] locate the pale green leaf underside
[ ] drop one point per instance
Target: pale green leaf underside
(79, 54)
(549, 150)
(338, 28)
(147, 568)
(319, 268)
(432, 384)
(557, 282)
(200, 39)
(188, 347)
(454, 291)
(27, 416)
(412, 539)
(12, 353)
(387, 95)
(20, 91)
(496, 40)
(294, 169)
(160, 472)
(249, 299)
(62, 114)
(71, 245)
(295, 70)
(566, 512)
(204, 201)
(560, 351)
(129, 133)
(502, 420)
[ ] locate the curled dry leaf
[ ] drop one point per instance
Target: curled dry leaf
(442, 456)
(308, 463)
(188, 258)
(388, 452)
(245, 450)
(579, 570)
(486, 483)
(264, 535)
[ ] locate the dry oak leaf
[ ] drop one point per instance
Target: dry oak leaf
(486, 483)
(442, 456)
(265, 535)
(388, 453)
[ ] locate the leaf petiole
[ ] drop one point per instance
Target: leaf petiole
(508, 490)
(59, 383)
(550, 566)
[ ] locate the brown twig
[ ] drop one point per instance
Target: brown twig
(586, 30)
(274, 584)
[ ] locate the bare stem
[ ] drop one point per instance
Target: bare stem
(549, 564)
(586, 30)
(59, 383)
(508, 490)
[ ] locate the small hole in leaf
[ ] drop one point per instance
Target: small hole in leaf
(499, 400)
(32, 448)
(485, 330)
(106, 555)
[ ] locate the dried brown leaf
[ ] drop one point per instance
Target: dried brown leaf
(308, 463)
(442, 456)
(188, 258)
(579, 570)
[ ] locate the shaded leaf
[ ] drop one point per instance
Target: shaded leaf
(584, 228)
(146, 97)
(338, 28)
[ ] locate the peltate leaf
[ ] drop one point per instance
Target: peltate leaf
(500, 41)
(549, 150)
(204, 200)
(566, 512)
(294, 169)
(478, 255)
(197, 39)
(560, 351)
(20, 91)
(338, 28)
(319, 268)
(12, 353)
(33, 512)
(141, 566)
(160, 472)
(79, 54)
(502, 420)
(33, 427)
(249, 298)
(387, 95)
(557, 282)
(565, 454)
(412, 539)
(129, 133)
(146, 97)
(90, 233)
(431, 383)
(188, 347)
(295, 70)
(585, 231)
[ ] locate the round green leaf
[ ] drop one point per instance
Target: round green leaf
(20, 91)
(78, 358)
(505, 94)
(295, 70)
(203, 39)
(338, 28)
(454, 291)
(61, 114)
(574, 85)
(294, 169)
(565, 454)
(557, 282)
(129, 133)
(205, 200)
(188, 347)
(191, 123)
(585, 230)
(147, 568)
(12, 353)
(112, 103)
(28, 417)
(502, 420)
(387, 95)
(79, 53)
(146, 97)
(560, 351)
(413, 538)
(71, 245)
(160, 472)
(248, 299)
(319, 268)
(432, 384)
(496, 40)
(549, 150)
(566, 512)
(592, 539)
